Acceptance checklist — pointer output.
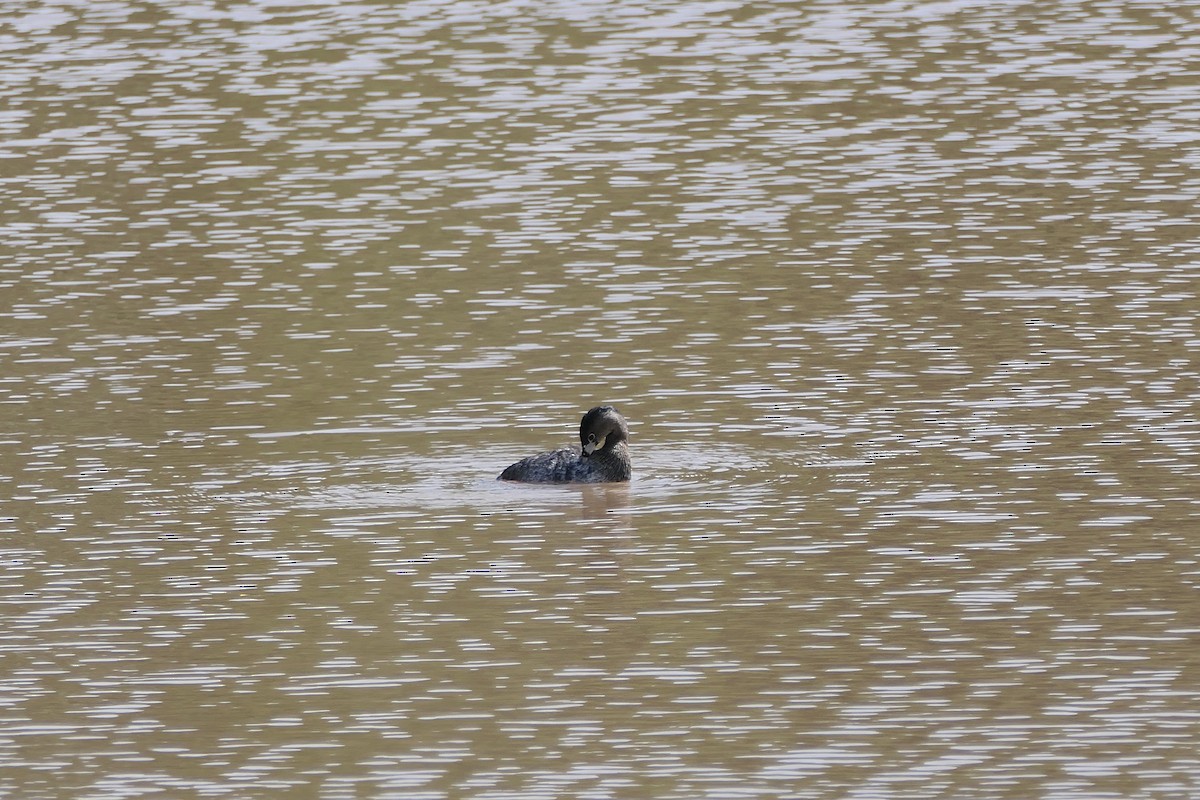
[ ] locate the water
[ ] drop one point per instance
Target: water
(900, 300)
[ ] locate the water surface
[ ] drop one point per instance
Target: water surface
(899, 299)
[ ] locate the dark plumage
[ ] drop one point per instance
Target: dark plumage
(602, 458)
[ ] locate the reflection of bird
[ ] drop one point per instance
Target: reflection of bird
(605, 456)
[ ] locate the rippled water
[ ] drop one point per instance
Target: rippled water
(900, 300)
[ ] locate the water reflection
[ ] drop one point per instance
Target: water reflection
(899, 300)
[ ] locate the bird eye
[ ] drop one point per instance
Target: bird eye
(591, 437)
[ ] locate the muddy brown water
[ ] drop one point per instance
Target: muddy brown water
(900, 300)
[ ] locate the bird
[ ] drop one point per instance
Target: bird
(603, 455)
